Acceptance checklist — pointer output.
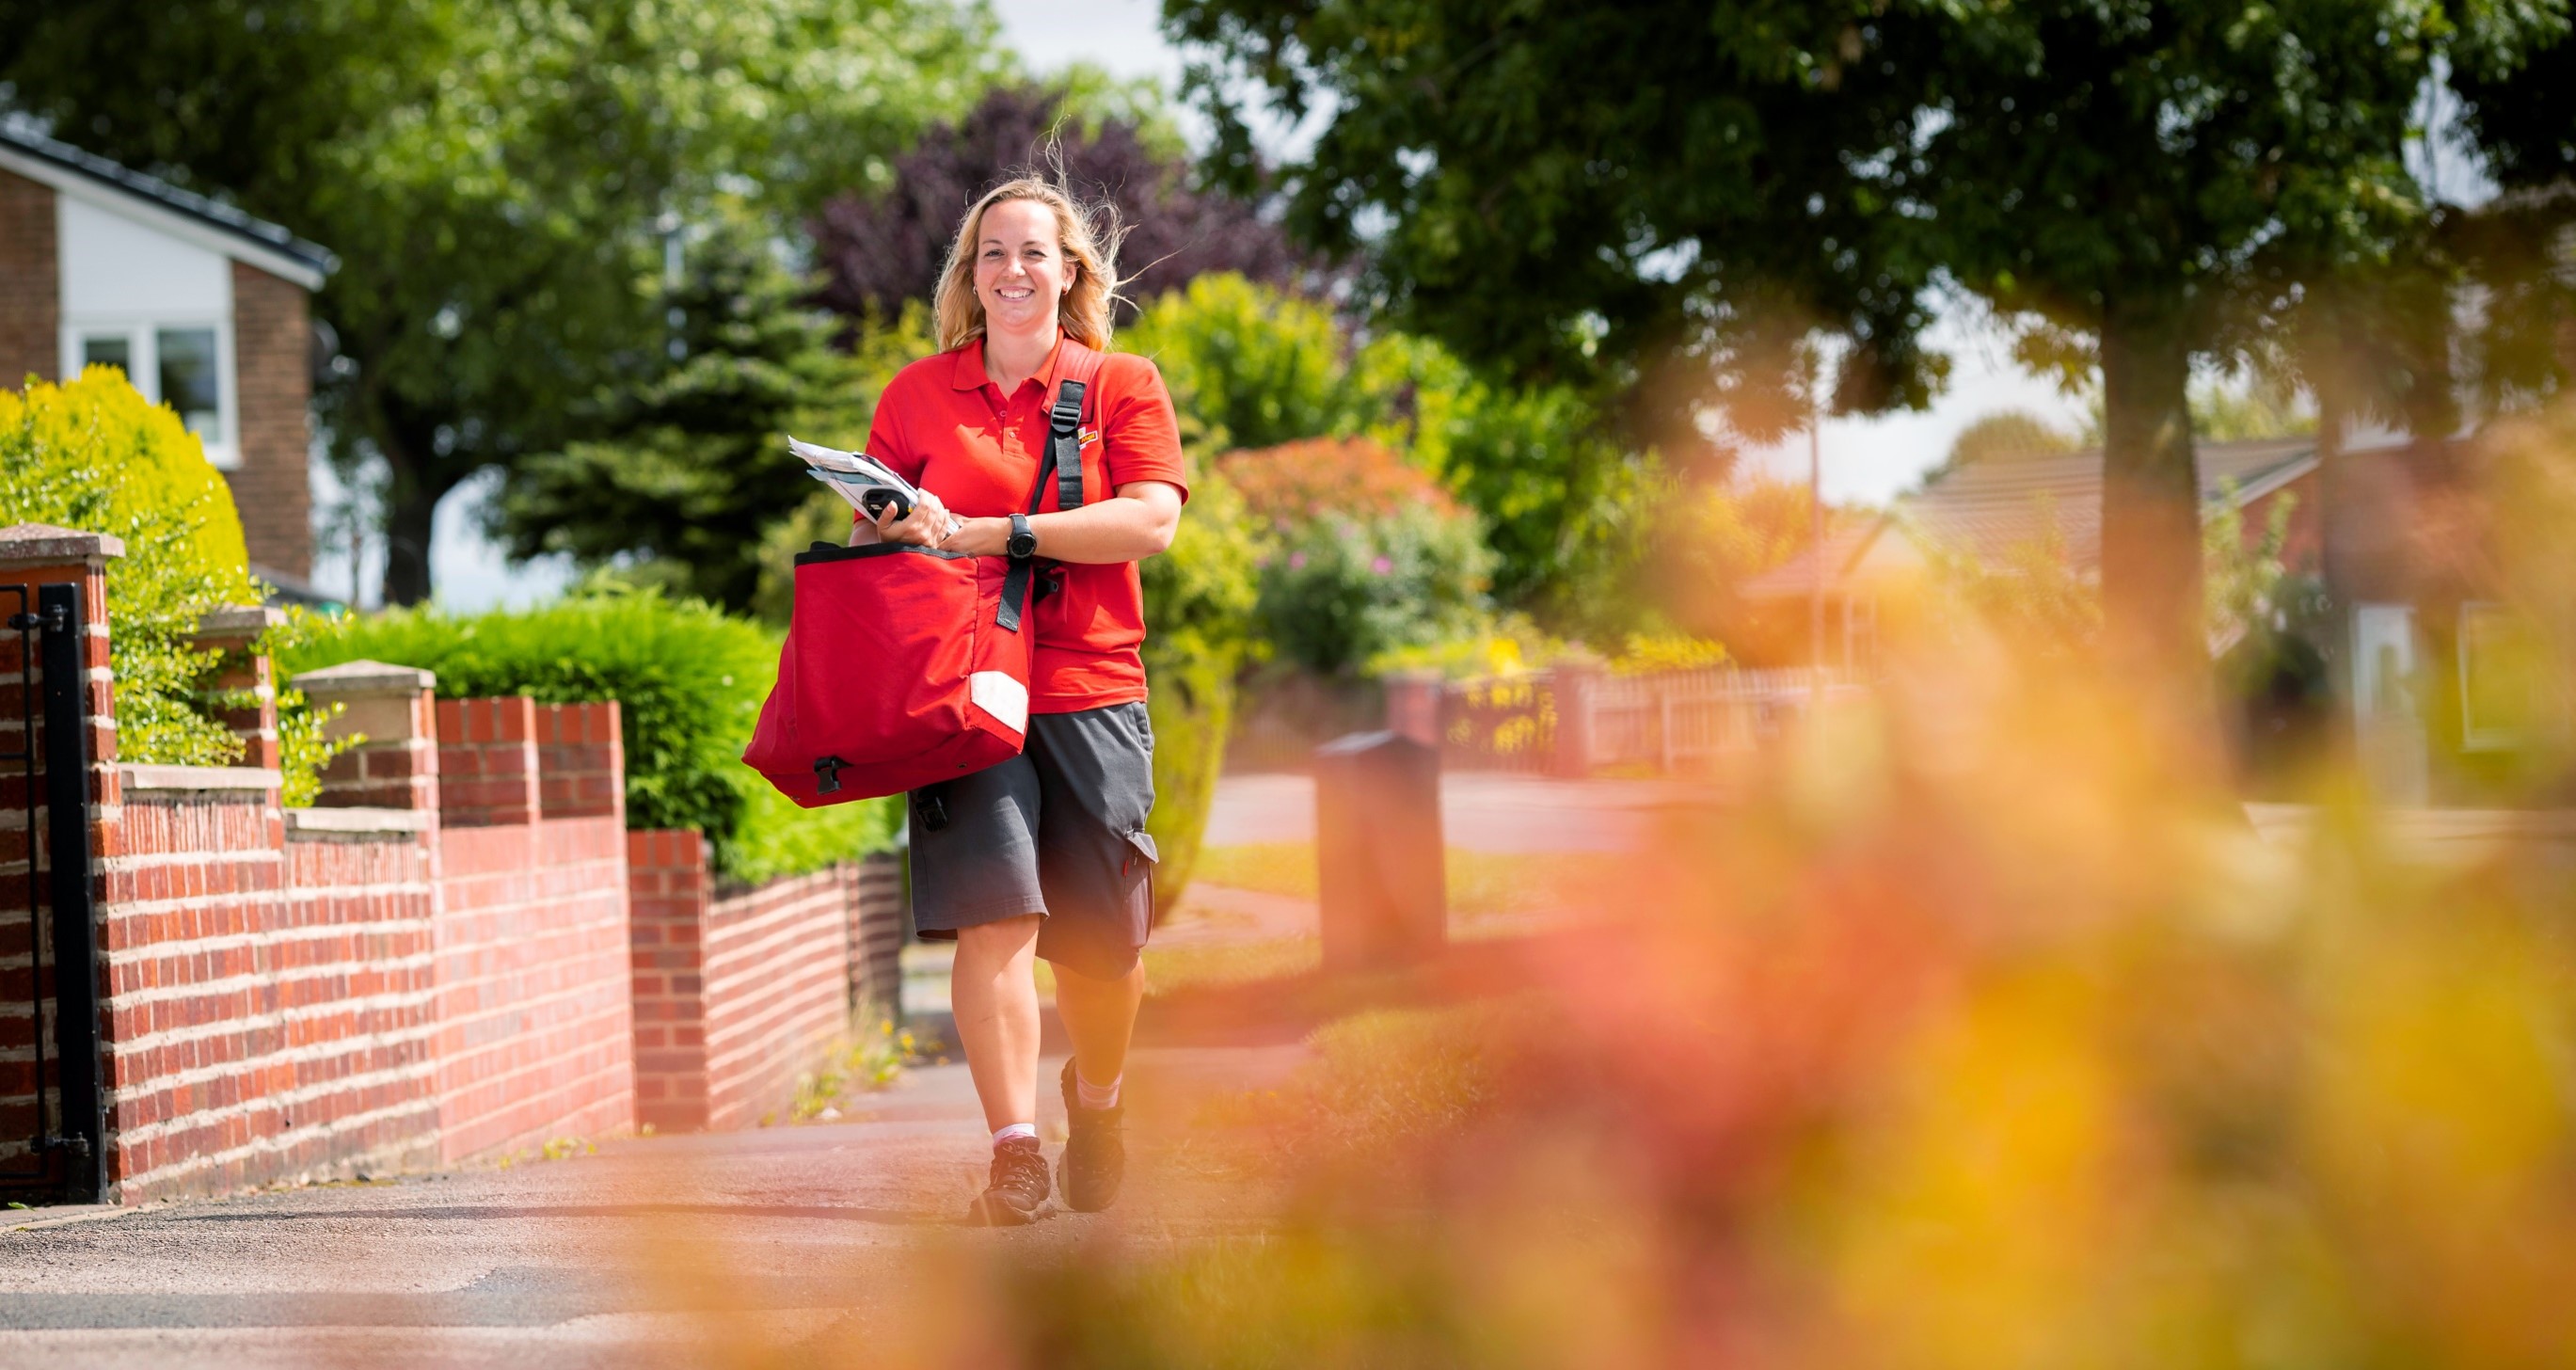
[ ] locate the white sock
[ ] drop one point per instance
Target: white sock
(1092, 1096)
(1028, 1130)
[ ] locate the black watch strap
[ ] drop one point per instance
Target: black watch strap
(1024, 539)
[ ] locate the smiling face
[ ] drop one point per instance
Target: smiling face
(1021, 272)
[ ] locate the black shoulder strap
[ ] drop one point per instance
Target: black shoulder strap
(1063, 458)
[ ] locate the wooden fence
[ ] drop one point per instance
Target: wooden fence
(1663, 722)
(1552, 722)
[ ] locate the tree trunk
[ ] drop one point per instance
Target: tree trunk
(409, 508)
(2153, 630)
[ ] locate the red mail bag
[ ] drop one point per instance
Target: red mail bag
(906, 665)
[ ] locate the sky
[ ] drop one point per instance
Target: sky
(1864, 460)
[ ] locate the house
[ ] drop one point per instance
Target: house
(205, 307)
(2438, 684)
(1988, 511)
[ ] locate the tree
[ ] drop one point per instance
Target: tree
(883, 247)
(2005, 434)
(492, 174)
(683, 466)
(2117, 175)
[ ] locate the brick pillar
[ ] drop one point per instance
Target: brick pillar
(581, 761)
(669, 893)
(33, 555)
(1573, 686)
(232, 630)
(273, 381)
(31, 313)
(396, 767)
(487, 762)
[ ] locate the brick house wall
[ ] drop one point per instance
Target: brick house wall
(273, 385)
(31, 318)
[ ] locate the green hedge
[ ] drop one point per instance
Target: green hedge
(689, 680)
(1198, 610)
(95, 455)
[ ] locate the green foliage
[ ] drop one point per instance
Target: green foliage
(94, 455)
(1248, 365)
(1565, 505)
(2142, 184)
(491, 174)
(1339, 592)
(688, 462)
(689, 680)
(2005, 434)
(1199, 597)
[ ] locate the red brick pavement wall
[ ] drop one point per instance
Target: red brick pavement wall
(269, 997)
(735, 996)
(668, 890)
(581, 761)
(31, 312)
(535, 1032)
(20, 866)
(777, 984)
(273, 382)
(487, 762)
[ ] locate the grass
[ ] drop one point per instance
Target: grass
(1482, 884)
(872, 1061)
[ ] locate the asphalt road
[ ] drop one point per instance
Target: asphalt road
(665, 1250)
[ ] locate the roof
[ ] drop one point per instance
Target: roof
(210, 224)
(1985, 509)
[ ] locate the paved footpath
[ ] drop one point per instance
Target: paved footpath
(1479, 810)
(656, 1250)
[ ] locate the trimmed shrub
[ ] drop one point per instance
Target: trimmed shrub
(690, 681)
(1198, 611)
(94, 455)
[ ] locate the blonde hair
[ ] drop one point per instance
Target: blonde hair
(1089, 236)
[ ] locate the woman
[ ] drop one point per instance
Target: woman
(1046, 854)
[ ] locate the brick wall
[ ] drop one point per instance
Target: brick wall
(269, 987)
(487, 762)
(273, 383)
(877, 930)
(535, 1033)
(31, 316)
(736, 995)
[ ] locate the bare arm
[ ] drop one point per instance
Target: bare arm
(1135, 524)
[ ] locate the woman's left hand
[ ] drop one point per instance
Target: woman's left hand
(928, 525)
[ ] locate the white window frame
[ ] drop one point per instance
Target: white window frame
(143, 352)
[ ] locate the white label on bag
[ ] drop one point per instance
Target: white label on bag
(998, 694)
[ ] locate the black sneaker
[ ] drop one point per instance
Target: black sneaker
(1017, 1189)
(1095, 1154)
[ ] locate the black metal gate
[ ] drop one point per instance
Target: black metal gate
(63, 1157)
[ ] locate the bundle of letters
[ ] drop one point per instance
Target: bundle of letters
(862, 480)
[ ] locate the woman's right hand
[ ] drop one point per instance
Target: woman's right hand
(928, 525)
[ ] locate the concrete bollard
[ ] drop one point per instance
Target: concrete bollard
(1378, 850)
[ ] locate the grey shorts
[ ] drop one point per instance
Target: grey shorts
(1058, 830)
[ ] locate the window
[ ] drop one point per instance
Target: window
(188, 381)
(185, 364)
(108, 349)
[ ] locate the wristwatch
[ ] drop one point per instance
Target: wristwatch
(1024, 539)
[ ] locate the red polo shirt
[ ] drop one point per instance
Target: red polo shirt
(945, 426)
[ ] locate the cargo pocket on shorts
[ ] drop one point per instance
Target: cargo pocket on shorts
(1141, 859)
